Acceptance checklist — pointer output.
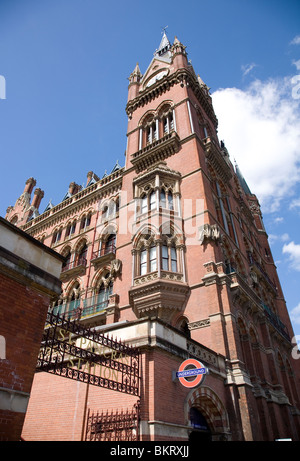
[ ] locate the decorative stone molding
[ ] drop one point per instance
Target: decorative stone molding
(158, 298)
(199, 324)
(216, 159)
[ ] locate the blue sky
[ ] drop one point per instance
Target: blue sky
(65, 64)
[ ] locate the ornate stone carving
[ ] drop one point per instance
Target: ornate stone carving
(209, 232)
(115, 268)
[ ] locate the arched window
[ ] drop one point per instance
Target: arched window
(82, 255)
(67, 263)
(104, 292)
(71, 229)
(85, 221)
(110, 245)
(56, 236)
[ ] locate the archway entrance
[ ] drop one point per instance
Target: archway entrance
(207, 416)
(201, 431)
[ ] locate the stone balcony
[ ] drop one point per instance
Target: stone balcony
(156, 151)
(158, 296)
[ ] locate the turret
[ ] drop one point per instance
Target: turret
(134, 83)
(179, 54)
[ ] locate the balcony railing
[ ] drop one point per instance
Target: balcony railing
(276, 322)
(81, 261)
(68, 310)
(72, 310)
(93, 305)
(111, 248)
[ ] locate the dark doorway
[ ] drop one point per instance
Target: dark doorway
(201, 431)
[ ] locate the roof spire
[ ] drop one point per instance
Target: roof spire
(164, 45)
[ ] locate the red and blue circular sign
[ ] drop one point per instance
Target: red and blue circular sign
(191, 368)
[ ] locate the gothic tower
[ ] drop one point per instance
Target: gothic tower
(170, 254)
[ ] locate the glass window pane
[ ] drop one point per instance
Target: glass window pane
(165, 251)
(152, 256)
(143, 256)
(144, 204)
(163, 199)
(152, 200)
(173, 259)
(143, 268)
(170, 200)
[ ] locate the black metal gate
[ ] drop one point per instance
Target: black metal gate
(114, 426)
(68, 349)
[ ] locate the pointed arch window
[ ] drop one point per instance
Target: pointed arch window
(82, 255)
(85, 221)
(110, 244)
(56, 236)
(104, 292)
(67, 263)
(71, 229)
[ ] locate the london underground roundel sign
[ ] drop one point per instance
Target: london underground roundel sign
(191, 368)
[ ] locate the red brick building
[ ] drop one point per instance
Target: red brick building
(169, 254)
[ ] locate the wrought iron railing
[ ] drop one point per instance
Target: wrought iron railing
(81, 261)
(104, 251)
(276, 322)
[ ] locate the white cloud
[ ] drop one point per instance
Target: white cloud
(282, 238)
(261, 130)
(295, 315)
(295, 204)
(293, 251)
(296, 40)
(247, 68)
(279, 219)
(297, 64)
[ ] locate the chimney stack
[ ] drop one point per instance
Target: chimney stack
(38, 195)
